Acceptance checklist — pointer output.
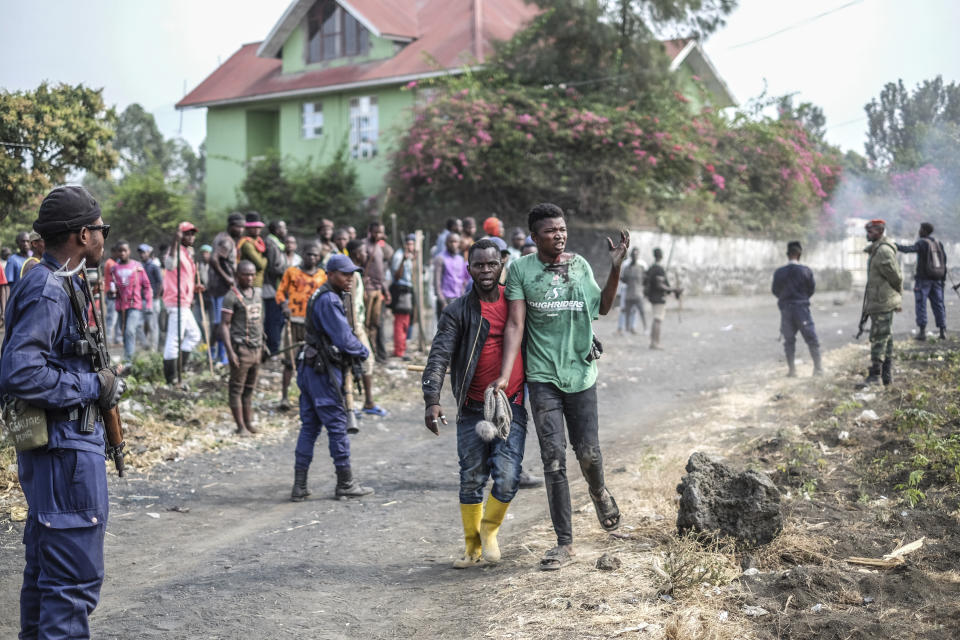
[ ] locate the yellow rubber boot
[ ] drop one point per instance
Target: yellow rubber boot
(493, 516)
(471, 514)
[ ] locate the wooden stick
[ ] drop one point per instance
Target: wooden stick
(418, 286)
(286, 329)
(206, 332)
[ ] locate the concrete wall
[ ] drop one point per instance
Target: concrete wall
(733, 266)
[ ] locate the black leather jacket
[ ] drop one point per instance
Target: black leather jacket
(461, 332)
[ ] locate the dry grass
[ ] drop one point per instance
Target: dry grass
(671, 587)
(171, 426)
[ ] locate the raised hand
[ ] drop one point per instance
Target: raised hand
(619, 252)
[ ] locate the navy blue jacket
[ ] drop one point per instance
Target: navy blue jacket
(793, 284)
(155, 276)
(329, 315)
(37, 363)
(922, 248)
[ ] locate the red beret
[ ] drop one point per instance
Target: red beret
(876, 222)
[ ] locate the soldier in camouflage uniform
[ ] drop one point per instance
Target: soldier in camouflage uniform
(881, 298)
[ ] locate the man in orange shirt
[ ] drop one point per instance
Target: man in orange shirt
(295, 289)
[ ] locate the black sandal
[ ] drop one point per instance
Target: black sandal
(607, 510)
(555, 559)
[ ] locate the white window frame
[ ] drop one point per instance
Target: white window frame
(364, 127)
(311, 120)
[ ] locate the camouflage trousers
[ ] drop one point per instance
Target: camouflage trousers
(881, 337)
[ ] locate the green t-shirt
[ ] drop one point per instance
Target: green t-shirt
(562, 304)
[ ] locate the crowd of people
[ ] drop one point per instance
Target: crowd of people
(514, 326)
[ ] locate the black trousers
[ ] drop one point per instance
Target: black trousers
(551, 408)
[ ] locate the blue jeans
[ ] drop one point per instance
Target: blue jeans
(111, 319)
(933, 289)
(272, 324)
(479, 460)
(216, 317)
(633, 308)
(132, 321)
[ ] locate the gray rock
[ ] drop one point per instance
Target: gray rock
(608, 562)
(713, 499)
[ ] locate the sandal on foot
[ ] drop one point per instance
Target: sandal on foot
(608, 513)
(375, 411)
(555, 559)
(467, 561)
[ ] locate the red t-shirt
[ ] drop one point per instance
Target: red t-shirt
(491, 357)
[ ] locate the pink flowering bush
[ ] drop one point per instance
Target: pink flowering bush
(478, 150)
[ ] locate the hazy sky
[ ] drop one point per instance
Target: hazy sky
(144, 52)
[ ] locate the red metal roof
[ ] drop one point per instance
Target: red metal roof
(446, 41)
(390, 17)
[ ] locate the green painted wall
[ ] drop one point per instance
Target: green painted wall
(235, 134)
(263, 132)
(294, 53)
(226, 155)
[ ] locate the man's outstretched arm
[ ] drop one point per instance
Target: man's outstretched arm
(512, 338)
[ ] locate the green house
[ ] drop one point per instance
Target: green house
(333, 72)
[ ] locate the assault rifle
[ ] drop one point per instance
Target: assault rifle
(94, 345)
(863, 318)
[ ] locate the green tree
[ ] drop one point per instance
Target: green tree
(140, 143)
(300, 192)
(902, 124)
(330, 191)
(265, 188)
(45, 135)
(145, 204)
(806, 114)
(607, 49)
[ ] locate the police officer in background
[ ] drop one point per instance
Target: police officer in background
(320, 378)
(65, 480)
(793, 284)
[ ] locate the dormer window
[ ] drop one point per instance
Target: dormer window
(333, 33)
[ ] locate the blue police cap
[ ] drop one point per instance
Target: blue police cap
(340, 262)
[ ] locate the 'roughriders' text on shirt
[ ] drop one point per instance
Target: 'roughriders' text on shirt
(557, 305)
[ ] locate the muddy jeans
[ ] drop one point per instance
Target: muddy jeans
(550, 408)
(499, 458)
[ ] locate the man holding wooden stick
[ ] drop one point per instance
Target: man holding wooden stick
(293, 293)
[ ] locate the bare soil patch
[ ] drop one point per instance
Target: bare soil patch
(845, 479)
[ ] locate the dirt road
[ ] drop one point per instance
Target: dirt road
(210, 547)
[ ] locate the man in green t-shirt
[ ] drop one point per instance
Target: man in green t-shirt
(554, 297)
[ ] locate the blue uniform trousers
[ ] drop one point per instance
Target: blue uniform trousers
(66, 490)
(499, 458)
(793, 318)
(933, 289)
(314, 416)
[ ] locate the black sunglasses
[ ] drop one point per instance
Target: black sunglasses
(103, 228)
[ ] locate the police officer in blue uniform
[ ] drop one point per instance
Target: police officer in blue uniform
(793, 284)
(331, 346)
(64, 481)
